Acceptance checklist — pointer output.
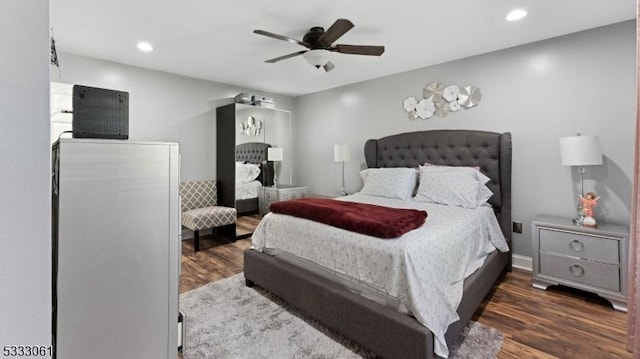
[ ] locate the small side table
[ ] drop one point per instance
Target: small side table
(591, 259)
(283, 192)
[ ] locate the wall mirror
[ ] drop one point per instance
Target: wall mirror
(275, 130)
(244, 134)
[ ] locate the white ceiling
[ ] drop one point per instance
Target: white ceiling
(214, 40)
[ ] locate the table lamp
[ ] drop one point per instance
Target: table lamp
(274, 154)
(580, 151)
(342, 154)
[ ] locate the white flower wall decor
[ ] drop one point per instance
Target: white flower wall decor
(425, 108)
(450, 93)
(440, 100)
(410, 104)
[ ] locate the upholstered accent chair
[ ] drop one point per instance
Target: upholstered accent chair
(200, 210)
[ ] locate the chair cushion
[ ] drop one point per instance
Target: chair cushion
(208, 217)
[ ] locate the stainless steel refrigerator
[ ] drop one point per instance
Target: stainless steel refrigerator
(116, 249)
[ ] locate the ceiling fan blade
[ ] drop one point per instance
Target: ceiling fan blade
(337, 29)
(281, 37)
(359, 49)
(276, 59)
(328, 66)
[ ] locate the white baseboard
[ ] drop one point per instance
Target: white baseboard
(522, 262)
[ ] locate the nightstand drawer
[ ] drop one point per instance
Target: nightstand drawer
(601, 275)
(599, 249)
(271, 195)
(293, 193)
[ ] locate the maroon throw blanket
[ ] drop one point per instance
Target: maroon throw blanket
(369, 219)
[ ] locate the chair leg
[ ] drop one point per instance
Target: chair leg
(229, 231)
(196, 241)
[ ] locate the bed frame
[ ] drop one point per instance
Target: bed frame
(380, 329)
(256, 153)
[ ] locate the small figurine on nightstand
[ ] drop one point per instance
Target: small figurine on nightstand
(589, 201)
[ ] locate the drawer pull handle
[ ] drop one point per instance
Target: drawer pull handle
(576, 245)
(577, 270)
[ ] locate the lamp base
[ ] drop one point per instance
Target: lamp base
(275, 175)
(342, 191)
(579, 214)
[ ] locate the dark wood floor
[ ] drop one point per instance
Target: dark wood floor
(218, 257)
(558, 323)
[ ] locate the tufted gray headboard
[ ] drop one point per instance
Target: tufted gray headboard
(488, 150)
(256, 152)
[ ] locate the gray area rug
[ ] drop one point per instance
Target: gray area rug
(227, 320)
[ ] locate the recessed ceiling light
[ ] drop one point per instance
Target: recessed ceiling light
(516, 15)
(144, 46)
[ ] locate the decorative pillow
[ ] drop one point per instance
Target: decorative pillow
(246, 172)
(456, 186)
(389, 182)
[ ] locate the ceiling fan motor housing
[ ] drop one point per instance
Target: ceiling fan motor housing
(312, 37)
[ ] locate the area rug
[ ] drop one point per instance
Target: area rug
(227, 320)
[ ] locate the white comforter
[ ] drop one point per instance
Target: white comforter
(246, 190)
(424, 269)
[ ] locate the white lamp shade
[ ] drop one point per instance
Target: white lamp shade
(580, 151)
(274, 154)
(317, 58)
(341, 153)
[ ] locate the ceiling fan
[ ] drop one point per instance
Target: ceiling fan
(320, 43)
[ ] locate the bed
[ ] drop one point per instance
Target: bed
(378, 327)
(246, 193)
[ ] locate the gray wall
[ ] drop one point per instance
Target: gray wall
(582, 82)
(163, 106)
(25, 258)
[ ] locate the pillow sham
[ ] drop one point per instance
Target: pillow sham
(429, 164)
(455, 186)
(389, 182)
(246, 172)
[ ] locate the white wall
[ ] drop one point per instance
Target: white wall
(25, 235)
(583, 82)
(163, 106)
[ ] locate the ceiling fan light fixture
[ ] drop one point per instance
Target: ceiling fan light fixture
(317, 58)
(328, 66)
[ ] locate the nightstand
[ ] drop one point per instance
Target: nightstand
(591, 259)
(283, 192)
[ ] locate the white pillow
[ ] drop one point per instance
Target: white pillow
(455, 186)
(481, 177)
(389, 182)
(246, 172)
